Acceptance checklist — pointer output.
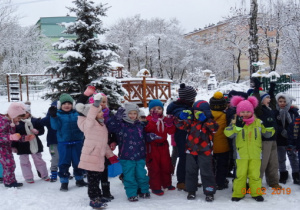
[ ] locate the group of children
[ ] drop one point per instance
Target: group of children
(85, 134)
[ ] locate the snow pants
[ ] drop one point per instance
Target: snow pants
(247, 169)
(39, 163)
(205, 164)
(180, 172)
(93, 178)
(159, 165)
(221, 161)
(69, 154)
(269, 162)
(8, 163)
(293, 158)
(54, 157)
(1, 171)
(135, 176)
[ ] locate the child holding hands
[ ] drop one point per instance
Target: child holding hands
(8, 134)
(201, 129)
(158, 158)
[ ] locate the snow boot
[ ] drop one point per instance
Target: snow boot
(81, 183)
(64, 187)
(209, 198)
(133, 199)
(180, 186)
(1, 180)
(144, 195)
(106, 191)
(53, 176)
(296, 178)
(191, 196)
(235, 199)
(14, 184)
(96, 203)
(258, 198)
(283, 177)
(158, 192)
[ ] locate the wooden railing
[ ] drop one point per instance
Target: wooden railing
(142, 93)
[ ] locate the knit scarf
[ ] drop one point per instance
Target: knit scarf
(160, 122)
(249, 120)
(34, 148)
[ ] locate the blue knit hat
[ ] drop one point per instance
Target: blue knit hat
(154, 103)
(203, 106)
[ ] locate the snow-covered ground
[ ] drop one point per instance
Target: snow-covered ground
(45, 195)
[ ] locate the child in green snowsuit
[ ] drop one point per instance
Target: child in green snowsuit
(246, 131)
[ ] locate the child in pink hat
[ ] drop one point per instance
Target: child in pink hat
(8, 134)
(246, 130)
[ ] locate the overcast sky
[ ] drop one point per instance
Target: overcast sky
(192, 14)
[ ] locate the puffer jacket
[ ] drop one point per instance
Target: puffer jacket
(248, 140)
(5, 131)
(65, 124)
(95, 146)
(220, 141)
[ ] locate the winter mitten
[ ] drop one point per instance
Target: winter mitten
(185, 114)
(97, 99)
(269, 122)
(29, 137)
(239, 122)
(90, 90)
(169, 120)
(113, 159)
(113, 146)
(152, 137)
(34, 131)
(120, 113)
(15, 137)
(52, 111)
(200, 116)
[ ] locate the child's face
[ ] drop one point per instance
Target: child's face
(157, 109)
(27, 115)
(246, 114)
(133, 115)
(266, 101)
(281, 103)
(17, 120)
(67, 106)
(104, 102)
(99, 115)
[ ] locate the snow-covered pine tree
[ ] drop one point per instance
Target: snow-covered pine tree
(87, 58)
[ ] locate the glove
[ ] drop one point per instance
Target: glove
(169, 120)
(52, 111)
(120, 113)
(185, 114)
(14, 137)
(113, 159)
(239, 122)
(155, 116)
(90, 90)
(255, 83)
(152, 137)
(29, 137)
(200, 116)
(34, 131)
(97, 99)
(269, 122)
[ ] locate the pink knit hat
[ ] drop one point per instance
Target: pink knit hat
(14, 110)
(244, 105)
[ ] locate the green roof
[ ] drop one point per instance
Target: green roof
(50, 27)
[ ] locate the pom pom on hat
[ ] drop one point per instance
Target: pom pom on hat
(218, 102)
(244, 105)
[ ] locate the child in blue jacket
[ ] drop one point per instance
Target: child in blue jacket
(69, 138)
(132, 150)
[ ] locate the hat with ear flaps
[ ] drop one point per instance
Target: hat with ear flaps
(14, 110)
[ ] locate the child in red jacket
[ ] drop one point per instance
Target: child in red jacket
(158, 158)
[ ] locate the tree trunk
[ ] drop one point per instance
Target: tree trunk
(253, 38)
(161, 74)
(238, 64)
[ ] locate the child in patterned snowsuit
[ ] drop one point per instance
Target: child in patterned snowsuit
(200, 134)
(8, 134)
